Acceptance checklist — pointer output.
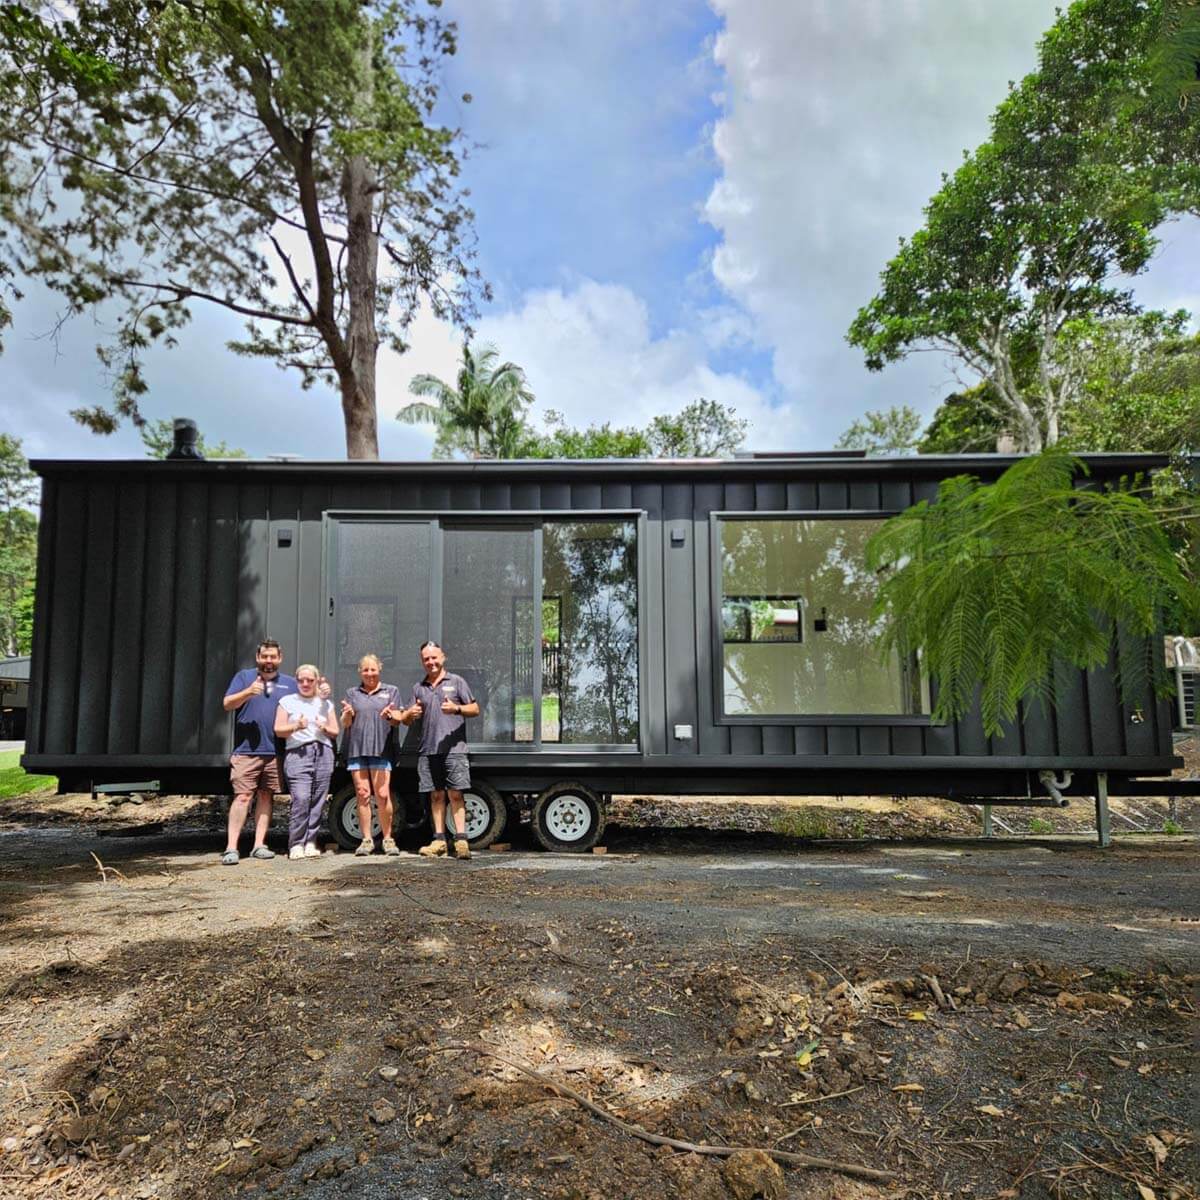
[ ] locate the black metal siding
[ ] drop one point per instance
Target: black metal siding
(157, 580)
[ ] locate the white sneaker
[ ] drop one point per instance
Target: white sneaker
(296, 852)
(312, 850)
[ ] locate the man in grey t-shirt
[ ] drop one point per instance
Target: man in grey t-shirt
(440, 701)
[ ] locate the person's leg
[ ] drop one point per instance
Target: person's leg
(437, 812)
(458, 777)
(262, 815)
(428, 781)
(381, 784)
(362, 797)
(239, 809)
(458, 813)
(298, 770)
(322, 774)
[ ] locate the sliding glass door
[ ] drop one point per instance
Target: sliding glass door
(539, 616)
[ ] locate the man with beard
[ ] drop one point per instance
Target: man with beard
(254, 695)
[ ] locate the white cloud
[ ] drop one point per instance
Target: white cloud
(838, 120)
(589, 352)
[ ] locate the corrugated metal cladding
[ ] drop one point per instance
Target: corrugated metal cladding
(156, 581)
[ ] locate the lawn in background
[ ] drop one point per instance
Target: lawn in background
(15, 782)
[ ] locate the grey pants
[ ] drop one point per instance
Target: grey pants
(308, 769)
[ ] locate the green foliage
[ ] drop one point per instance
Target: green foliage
(1037, 226)
(18, 546)
(278, 160)
(967, 422)
(703, 429)
(1040, 825)
(15, 782)
(560, 440)
(1140, 387)
(159, 437)
(894, 431)
(804, 823)
(1172, 827)
(483, 413)
(1175, 57)
(999, 586)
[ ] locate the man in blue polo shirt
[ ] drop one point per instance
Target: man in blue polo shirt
(254, 695)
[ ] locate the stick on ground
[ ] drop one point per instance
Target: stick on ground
(790, 1157)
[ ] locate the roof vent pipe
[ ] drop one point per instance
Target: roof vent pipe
(1054, 785)
(186, 437)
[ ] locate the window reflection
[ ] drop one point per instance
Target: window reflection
(798, 636)
(589, 650)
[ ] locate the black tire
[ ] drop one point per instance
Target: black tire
(569, 817)
(486, 815)
(342, 821)
(410, 815)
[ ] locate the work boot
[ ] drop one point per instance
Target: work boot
(435, 849)
(462, 848)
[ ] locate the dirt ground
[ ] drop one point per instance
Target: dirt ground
(934, 1018)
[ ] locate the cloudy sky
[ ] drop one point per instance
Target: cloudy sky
(673, 200)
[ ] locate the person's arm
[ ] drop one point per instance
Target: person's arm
(469, 706)
(330, 725)
(236, 699)
(283, 727)
(347, 714)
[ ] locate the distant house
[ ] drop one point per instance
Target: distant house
(14, 697)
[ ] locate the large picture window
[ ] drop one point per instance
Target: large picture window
(797, 635)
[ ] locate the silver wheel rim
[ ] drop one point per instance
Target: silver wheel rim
(349, 821)
(568, 818)
(478, 815)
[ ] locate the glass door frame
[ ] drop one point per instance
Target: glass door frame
(533, 520)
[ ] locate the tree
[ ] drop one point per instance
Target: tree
(159, 437)
(894, 431)
(964, 423)
(482, 413)
(703, 429)
(276, 160)
(1032, 231)
(997, 585)
(561, 440)
(18, 544)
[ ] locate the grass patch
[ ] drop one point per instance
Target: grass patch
(1040, 825)
(802, 823)
(16, 782)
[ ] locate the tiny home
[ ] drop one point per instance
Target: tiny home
(629, 626)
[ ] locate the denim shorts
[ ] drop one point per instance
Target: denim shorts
(370, 763)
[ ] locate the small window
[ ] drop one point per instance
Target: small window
(798, 630)
(762, 619)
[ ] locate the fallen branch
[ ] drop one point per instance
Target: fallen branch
(938, 994)
(106, 871)
(791, 1158)
(818, 1099)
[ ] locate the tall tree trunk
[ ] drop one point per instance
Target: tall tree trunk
(362, 338)
(362, 263)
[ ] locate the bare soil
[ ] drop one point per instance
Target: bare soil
(963, 1018)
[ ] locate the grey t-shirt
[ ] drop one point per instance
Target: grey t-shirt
(442, 732)
(369, 735)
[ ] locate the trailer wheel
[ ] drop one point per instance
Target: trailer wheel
(343, 819)
(409, 815)
(486, 814)
(568, 816)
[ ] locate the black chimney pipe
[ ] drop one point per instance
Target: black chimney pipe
(186, 436)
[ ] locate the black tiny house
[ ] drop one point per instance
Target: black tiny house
(682, 626)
